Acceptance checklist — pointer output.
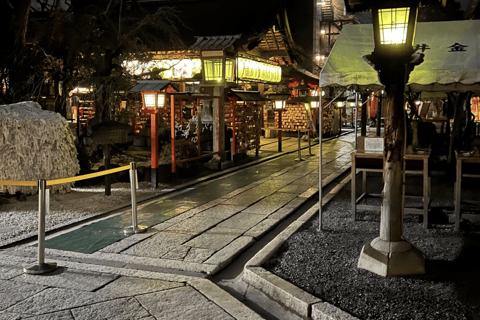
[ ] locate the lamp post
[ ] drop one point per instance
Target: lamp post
(152, 102)
(393, 58)
(279, 103)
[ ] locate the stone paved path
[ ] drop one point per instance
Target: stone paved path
(200, 230)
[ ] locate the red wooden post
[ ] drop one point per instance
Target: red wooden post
(197, 108)
(279, 131)
(220, 129)
(154, 147)
(234, 143)
(172, 130)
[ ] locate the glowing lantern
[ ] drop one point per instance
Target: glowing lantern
(153, 99)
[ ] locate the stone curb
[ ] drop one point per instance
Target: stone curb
(122, 260)
(211, 291)
(292, 297)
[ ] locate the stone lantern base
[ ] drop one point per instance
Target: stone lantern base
(391, 259)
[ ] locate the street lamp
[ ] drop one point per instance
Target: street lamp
(393, 58)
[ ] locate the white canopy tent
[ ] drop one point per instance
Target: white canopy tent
(452, 58)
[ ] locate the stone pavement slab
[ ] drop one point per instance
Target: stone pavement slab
(118, 309)
(242, 221)
(132, 294)
(69, 279)
(261, 228)
(271, 203)
(181, 303)
(10, 271)
(295, 189)
(231, 231)
(198, 255)
(221, 211)
(158, 245)
(281, 213)
(130, 286)
(126, 243)
(194, 225)
(211, 241)
(226, 255)
(178, 253)
(12, 292)
(56, 299)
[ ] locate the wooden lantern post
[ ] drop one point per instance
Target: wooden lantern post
(393, 58)
(279, 103)
(152, 101)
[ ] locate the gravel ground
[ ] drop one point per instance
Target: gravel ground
(19, 217)
(325, 263)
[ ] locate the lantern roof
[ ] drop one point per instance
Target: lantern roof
(306, 99)
(249, 95)
(278, 96)
(151, 85)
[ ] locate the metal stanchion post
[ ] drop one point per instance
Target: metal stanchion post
(299, 149)
(231, 148)
(309, 145)
(355, 117)
(41, 267)
(135, 228)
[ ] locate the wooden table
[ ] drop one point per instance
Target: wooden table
(463, 161)
(415, 163)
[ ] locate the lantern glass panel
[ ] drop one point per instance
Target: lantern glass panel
(280, 104)
(393, 25)
(160, 100)
(213, 69)
(149, 100)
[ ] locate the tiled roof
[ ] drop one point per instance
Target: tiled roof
(214, 42)
(150, 85)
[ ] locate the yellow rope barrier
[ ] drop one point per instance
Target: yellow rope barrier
(18, 183)
(64, 180)
(87, 176)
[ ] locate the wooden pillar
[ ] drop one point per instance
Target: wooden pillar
(379, 114)
(172, 131)
(391, 227)
(234, 143)
(108, 179)
(221, 128)
(279, 131)
(199, 123)
(363, 120)
(389, 254)
(154, 148)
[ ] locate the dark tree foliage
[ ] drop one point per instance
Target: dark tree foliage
(83, 42)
